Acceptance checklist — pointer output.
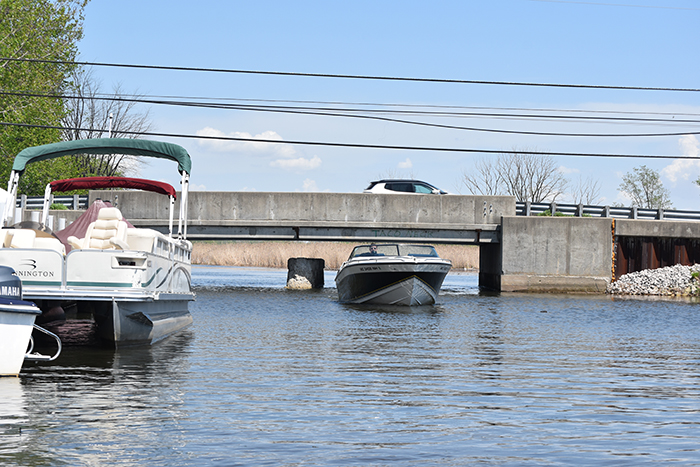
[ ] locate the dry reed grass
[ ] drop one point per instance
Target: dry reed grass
(276, 254)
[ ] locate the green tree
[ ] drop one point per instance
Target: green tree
(37, 30)
(643, 186)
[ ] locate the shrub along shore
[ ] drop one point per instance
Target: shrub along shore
(276, 254)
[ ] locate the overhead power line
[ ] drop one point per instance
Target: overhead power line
(361, 146)
(360, 77)
(664, 7)
(352, 113)
(429, 106)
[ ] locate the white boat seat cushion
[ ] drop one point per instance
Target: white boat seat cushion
(49, 243)
(22, 238)
(108, 232)
(5, 238)
(141, 239)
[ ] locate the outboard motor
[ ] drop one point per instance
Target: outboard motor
(10, 284)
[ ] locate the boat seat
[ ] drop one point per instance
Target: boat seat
(49, 243)
(108, 232)
(141, 239)
(22, 238)
(26, 238)
(5, 238)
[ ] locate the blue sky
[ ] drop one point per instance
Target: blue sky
(644, 43)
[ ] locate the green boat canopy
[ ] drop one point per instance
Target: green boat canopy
(131, 147)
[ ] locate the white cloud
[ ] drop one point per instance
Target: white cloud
(407, 164)
(567, 170)
(194, 187)
(310, 185)
(684, 168)
(689, 144)
(274, 149)
(300, 163)
(624, 199)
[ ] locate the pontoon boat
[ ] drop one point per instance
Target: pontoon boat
(133, 283)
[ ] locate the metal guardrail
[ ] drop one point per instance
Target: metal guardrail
(37, 202)
(582, 210)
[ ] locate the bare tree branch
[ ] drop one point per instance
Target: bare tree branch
(89, 117)
(528, 177)
(586, 192)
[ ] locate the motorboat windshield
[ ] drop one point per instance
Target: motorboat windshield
(423, 251)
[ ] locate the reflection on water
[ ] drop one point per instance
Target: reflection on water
(13, 414)
(269, 376)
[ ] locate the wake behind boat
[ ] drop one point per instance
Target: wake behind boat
(392, 274)
(131, 285)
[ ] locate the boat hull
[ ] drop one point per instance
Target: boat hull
(142, 322)
(391, 282)
(16, 324)
(128, 297)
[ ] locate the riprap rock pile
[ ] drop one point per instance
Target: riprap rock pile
(671, 280)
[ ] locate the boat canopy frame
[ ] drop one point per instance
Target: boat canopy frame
(98, 183)
(106, 146)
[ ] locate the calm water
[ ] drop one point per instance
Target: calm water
(267, 376)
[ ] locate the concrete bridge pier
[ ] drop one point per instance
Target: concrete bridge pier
(490, 266)
(305, 273)
(549, 254)
(581, 254)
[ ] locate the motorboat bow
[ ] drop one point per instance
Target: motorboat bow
(132, 284)
(392, 274)
(17, 318)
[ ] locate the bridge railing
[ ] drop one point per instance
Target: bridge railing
(37, 202)
(583, 210)
(521, 209)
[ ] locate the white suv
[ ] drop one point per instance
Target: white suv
(403, 186)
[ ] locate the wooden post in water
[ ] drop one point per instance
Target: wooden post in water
(305, 273)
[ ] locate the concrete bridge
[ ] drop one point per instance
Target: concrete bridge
(325, 216)
(534, 254)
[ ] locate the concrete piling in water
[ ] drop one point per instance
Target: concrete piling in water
(305, 273)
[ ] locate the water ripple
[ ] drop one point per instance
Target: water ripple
(269, 376)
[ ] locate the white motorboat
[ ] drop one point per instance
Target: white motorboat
(134, 284)
(16, 324)
(392, 274)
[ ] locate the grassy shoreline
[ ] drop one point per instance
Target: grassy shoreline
(275, 254)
